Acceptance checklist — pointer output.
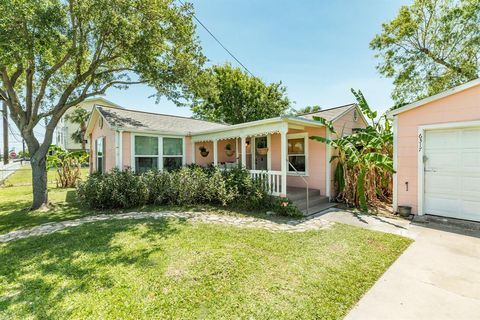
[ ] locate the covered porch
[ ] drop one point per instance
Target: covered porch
(277, 150)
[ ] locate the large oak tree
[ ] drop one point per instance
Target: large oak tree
(56, 53)
(430, 46)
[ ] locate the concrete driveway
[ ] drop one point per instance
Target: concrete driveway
(437, 277)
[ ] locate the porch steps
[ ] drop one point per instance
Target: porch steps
(317, 202)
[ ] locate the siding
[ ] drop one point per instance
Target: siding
(462, 106)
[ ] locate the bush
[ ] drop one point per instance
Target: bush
(117, 189)
(187, 186)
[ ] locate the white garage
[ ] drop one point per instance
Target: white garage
(451, 164)
(437, 154)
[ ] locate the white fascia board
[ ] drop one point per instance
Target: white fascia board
(438, 96)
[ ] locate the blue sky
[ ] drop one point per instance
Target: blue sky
(318, 49)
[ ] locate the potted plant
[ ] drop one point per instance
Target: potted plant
(262, 147)
(228, 150)
(203, 151)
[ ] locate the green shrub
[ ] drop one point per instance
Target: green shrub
(117, 189)
(189, 185)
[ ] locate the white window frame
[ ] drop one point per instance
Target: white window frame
(103, 154)
(173, 156)
(160, 155)
(303, 135)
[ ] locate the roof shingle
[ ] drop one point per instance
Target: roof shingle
(328, 114)
(147, 121)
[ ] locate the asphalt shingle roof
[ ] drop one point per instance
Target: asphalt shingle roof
(147, 121)
(328, 114)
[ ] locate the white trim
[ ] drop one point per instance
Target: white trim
(269, 153)
(421, 152)
(215, 152)
(283, 159)
(328, 165)
(395, 165)
(244, 151)
(160, 155)
(194, 161)
(303, 135)
(420, 170)
(117, 150)
(438, 96)
(253, 152)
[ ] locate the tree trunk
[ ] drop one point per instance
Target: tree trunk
(39, 182)
(83, 129)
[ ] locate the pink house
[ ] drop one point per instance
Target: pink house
(437, 154)
(279, 148)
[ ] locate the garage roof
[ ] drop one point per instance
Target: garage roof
(438, 96)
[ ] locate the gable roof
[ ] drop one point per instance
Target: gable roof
(103, 102)
(437, 96)
(335, 113)
(133, 120)
(330, 114)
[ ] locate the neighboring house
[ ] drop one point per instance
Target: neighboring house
(141, 141)
(65, 129)
(437, 154)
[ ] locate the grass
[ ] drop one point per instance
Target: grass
(171, 269)
(16, 198)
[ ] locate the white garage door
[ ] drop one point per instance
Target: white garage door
(452, 173)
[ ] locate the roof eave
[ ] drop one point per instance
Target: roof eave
(435, 97)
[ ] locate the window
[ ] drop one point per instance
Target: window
(172, 153)
(297, 154)
(146, 153)
(99, 151)
(153, 153)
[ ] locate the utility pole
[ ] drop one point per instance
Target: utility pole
(5, 131)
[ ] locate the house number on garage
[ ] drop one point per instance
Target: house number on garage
(420, 139)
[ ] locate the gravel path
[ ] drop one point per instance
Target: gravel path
(311, 223)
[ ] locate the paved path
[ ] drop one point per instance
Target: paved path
(311, 223)
(6, 170)
(437, 277)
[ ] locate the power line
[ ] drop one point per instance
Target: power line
(218, 41)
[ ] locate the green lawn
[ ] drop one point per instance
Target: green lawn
(16, 198)
(167, 269)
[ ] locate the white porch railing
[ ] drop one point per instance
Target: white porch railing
(272, 179)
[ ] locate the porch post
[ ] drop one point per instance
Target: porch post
(244, 151)
(215, 152)
(193, 152)
(269, 153)
(283, 148)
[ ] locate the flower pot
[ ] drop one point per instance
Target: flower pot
(229, 153)
(404, 211)
(204, 153)
(262, 151)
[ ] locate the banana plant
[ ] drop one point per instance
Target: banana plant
(363, 159)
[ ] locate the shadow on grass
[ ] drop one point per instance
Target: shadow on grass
(42, 271)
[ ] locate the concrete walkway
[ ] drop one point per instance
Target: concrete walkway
(311, 223)
(437, 277)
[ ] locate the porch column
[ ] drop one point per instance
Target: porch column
(236, 150)
(244, 151)
(193, 152)
(269, 153)
(215, 152)
(283, 148)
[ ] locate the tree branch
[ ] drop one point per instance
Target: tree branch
(443, 62)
